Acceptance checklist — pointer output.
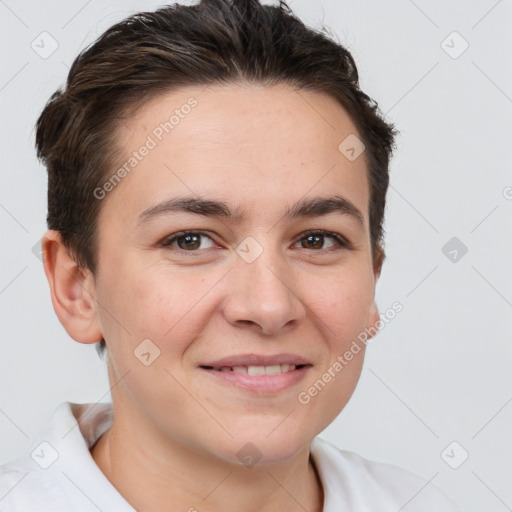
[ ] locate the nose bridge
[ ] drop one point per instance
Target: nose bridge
(262, 291)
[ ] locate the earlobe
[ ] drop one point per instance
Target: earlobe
(72, 290)
(373, 320)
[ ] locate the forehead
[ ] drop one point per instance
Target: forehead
(251, 145)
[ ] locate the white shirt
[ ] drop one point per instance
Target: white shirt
(58, 474)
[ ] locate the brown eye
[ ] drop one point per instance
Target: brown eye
(186, 240)
(315, 240)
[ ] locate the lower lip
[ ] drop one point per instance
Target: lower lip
(260, 383)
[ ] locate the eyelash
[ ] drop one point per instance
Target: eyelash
(342, 243)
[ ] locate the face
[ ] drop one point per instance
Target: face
(249, 287)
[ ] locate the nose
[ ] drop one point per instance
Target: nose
(263, 294)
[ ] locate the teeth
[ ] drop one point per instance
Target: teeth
(256, 370)
(259, 370)
(272, 370)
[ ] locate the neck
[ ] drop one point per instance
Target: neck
(171, 473)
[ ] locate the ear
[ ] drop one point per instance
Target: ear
(374, 316)
(378, 259)
(72, 290)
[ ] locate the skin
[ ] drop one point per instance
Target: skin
(177, 430)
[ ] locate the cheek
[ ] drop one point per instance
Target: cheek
(173, 304)
(344, 302)
(164, 306)
(343, 305)
(154, 305)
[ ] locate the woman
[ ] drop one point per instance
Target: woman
(217, 184)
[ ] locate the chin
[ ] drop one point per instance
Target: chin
(267, 445)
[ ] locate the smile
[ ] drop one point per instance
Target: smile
(260, 380)
(256, 370)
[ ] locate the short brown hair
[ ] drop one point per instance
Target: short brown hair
(213, 42)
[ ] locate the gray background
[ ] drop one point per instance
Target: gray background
(440, 371)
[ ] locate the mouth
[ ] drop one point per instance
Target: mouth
(258, 374)
(275, 369)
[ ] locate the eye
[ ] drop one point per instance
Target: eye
(315, 240)
(186, 240)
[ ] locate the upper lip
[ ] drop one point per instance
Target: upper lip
(257, 360)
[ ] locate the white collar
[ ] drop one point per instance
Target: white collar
(75, 428)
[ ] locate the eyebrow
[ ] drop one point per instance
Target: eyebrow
(305, 208)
